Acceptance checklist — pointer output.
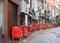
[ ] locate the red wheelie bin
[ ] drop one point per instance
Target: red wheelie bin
(30, 28)
(49, 25)
(16, 32)
(55, 25)
(38, 26)
(35, 27)
(25, 33)
(43, 26)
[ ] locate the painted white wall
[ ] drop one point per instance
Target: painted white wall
(28, 6)
(35, 5)
(58, 0)
(58, 7)
(23, 6)
(26, 20)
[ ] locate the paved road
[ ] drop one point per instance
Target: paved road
(51, 35)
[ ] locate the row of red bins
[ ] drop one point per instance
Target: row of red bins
(48, 25)
(18, 32)
(22, 31)
(33, 27)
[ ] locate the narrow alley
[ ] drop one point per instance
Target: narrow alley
(29, 21)
(50, 35)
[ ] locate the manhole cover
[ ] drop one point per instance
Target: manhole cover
(58, 36)
(54, 33)
(41, 33)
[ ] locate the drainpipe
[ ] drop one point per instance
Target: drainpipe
(27, 12)
(3, 20)
(45, 10)
(26, 20)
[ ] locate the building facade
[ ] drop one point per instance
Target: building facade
(1, 17)
(52, 9)
(9, 15)
(24, 12)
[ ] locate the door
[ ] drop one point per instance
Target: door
(12, 17)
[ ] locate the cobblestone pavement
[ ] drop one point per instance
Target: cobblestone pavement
(49, 35)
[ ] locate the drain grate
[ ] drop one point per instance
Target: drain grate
(40, 42)
(43, 42)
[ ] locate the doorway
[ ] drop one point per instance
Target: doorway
(12, 17)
